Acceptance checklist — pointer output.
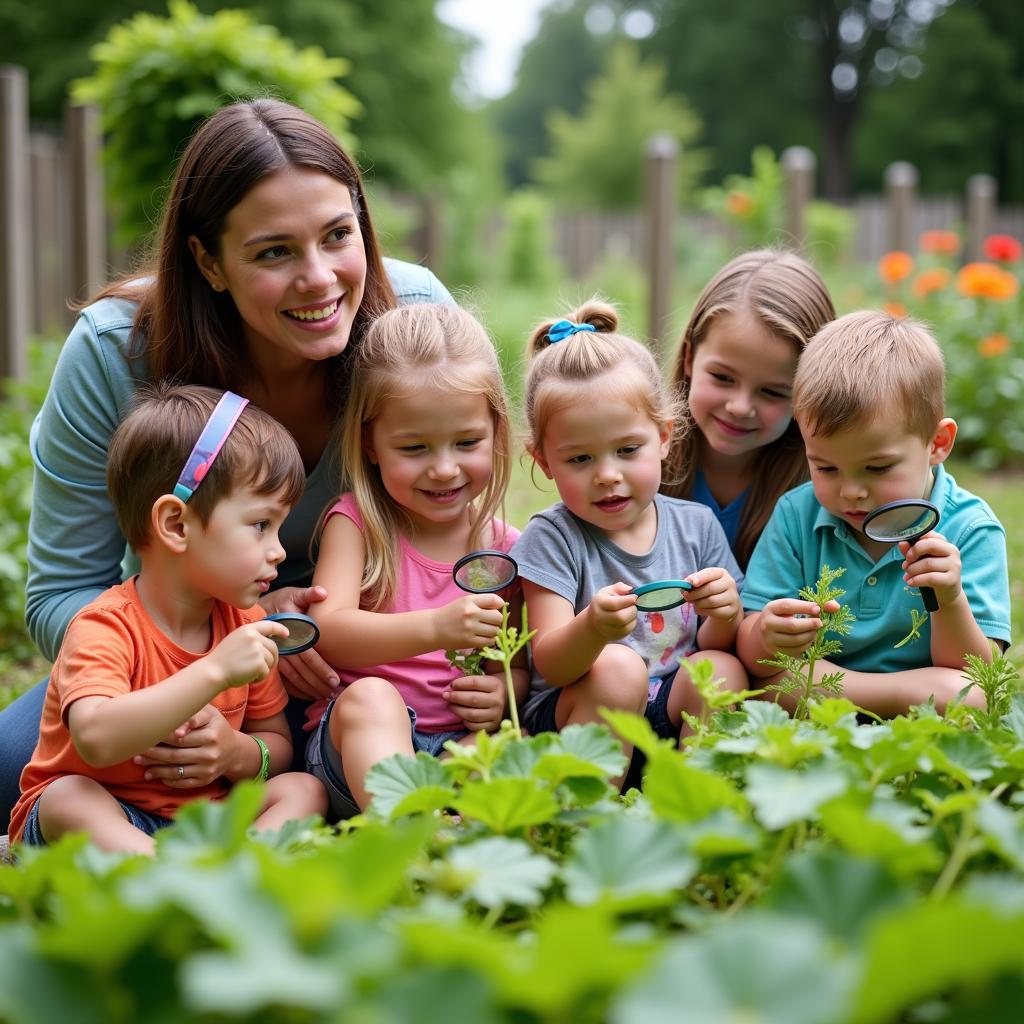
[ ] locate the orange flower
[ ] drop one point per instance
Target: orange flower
(929, 281)
(895, 267)
(945, 242)
(986, 281)
(1003, 248)
(994, 345)
(895, 309)
(739, 204)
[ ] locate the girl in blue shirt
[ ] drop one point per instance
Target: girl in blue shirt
(735, 369)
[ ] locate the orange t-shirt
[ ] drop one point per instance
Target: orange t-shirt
(112, 647)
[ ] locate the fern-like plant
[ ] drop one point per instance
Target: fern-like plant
(799, 677)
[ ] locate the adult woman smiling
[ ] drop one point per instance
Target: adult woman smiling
(265, 275)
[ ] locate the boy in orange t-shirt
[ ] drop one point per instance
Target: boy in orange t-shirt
(146, 656)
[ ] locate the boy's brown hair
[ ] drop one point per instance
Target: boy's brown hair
(865, 362)
(149, 448)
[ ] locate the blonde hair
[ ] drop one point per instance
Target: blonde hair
(403, 348)
(788, 298)
(559, 371)
(149, 448)
(868, 361)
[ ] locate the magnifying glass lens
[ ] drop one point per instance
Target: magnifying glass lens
(662, 595)
(303, 632)
(485, 572)
(902, 522)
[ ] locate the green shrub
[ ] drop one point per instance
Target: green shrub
(18, 408)
(528, 241)
(157, 78)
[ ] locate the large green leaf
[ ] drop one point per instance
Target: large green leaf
(507, 804)
(781, 797)
(928, 950)
(629, 861)
(1004, 830)
(582, 750)
(396, 777)
(840, 893)
(497, 872)
(678, 791)
(763, 969)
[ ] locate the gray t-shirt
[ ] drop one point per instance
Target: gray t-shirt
(566, 555)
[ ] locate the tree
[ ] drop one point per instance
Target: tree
(553, 71)
(597, 158)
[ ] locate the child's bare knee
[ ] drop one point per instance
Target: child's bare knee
(619, 679)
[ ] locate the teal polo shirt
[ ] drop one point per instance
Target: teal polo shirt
(801, 536)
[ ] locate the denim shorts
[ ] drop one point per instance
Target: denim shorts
(324, 761)
(142, 820)
(540, 715)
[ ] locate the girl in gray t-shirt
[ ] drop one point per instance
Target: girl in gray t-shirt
(600, 422)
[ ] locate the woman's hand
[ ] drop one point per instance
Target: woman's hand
(305, 675)
(205, 748)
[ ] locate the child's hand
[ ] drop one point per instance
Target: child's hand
(247, 654)
(612, 612)
(933, 562)
(715, 595)
(478, 700)
(470, 621)
(788, 624)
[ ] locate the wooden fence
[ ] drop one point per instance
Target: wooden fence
(53, 238)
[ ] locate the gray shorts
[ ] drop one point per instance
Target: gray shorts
(324, 761)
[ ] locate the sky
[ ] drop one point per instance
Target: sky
(503, 27)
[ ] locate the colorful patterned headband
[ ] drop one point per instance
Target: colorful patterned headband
(220, 424)
(566, 329)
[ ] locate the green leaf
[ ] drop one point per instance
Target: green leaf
(722, 834)
(840, 893)
(1004, 831)
(1014, 719)
(393, 779)
(620, 859)
(870, 831)
(764, 712)
(925, 951)
(497, 872)
(680, 792)
(781, 797)
(430, 995)
(506, 804)
(763, 969)
(966, 756)
(593, 744)
(635, 729)
(213, 826)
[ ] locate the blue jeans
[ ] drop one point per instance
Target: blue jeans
(144, 821)
(19, 733)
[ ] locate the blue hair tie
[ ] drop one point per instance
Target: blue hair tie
(566, 329)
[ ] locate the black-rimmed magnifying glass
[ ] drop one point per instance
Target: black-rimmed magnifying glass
(303, 632)
(485, 572)
(907, 519)
(661, 595)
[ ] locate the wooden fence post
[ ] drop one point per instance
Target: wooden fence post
(901, 196)
(662, 158)
(799, 164)
(88, 245)
(981, 213)
(15, 280)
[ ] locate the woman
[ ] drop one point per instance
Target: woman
(265, 275)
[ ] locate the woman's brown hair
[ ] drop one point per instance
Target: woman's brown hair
(787, 296)
(184, 329)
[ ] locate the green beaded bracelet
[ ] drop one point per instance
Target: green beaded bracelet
(264, 759)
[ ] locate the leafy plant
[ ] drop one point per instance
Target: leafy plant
(157, 78)
(507, 644)
(712, 696)
(799, 675)
(999, 681)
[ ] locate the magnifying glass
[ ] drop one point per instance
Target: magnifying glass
(303, 632)
(906, 520)
(484, 572)
(661, 595)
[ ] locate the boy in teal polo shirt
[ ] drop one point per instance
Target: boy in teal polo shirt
(868, 397)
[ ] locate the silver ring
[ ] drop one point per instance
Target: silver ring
(181, 771)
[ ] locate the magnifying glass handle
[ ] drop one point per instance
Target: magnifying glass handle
(931, 602)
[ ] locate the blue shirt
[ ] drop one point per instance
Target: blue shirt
(801, 537)
(728, 517)
(75, 548)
